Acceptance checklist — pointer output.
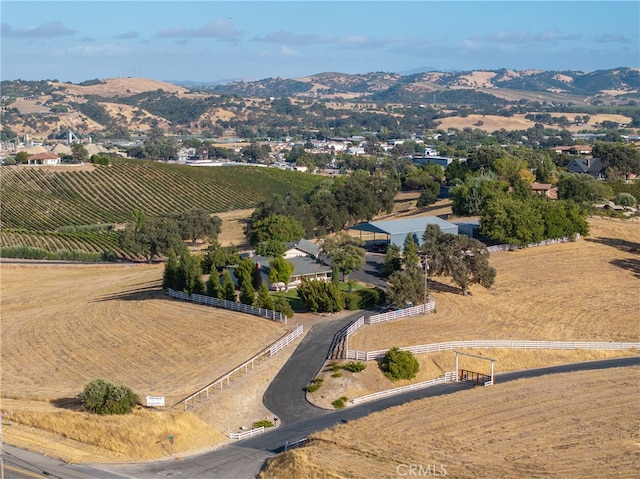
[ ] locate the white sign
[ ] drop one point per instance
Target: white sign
(155, 401)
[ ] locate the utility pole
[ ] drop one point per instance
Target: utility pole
(426, 272)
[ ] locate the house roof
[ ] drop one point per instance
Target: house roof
(303, 265)
(307, 246)
(585, 165)
(44, 156)
(403, 226)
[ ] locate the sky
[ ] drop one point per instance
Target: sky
(209, 41)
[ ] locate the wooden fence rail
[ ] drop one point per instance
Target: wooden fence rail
(246, 434)
(448, 377)
(500, 343)
(402, 313)
(244, 367)
(230, 305)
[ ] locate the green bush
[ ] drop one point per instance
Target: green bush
(355, 366)
(624, 199)
(103, 397)
(340, 403)
(364, 298)
(262, 423)
(315, 385)
(398, 364)
(336, 375)
(335, 367)
(352, 301)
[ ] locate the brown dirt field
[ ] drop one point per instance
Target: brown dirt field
(565, 425)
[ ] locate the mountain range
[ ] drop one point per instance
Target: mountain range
(128, 105)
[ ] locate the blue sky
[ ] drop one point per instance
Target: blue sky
(211, 40)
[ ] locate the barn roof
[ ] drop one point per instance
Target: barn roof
(403, 226)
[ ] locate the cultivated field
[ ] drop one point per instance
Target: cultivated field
(565, 425)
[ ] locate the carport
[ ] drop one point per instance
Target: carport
(396, 231)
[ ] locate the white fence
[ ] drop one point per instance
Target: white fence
(511, 247)
(448, 377)
(500, 343)
(350, 330)
(244, 367)
(246, 434)
(402, 313)
(231, 305)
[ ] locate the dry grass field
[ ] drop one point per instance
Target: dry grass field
(585, 291)
(565, 425)
(64, 325)
(492, 123)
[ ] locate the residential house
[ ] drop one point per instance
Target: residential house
(545, 189)
(303, 254)
(44, 159)
(591, 166)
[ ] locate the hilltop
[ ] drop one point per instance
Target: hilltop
(121, 107)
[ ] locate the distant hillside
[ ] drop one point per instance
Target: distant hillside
(122, 107)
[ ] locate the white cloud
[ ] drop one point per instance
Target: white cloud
(220, 29)
(46, 30)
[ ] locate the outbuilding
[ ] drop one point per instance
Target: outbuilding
(396, 231)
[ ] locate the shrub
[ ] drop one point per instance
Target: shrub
(262, 423)
(340, 403)
(624, 199)
(352, 301)
(398, 364)
(355, 366)
(315, 385)
(336, 375)
(335, 367)
(103, 397)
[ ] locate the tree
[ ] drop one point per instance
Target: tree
(196, 223)
(217, 257)
(512, 220)
(346, 252)
(190, 274)
(213, 287)
(227, 287)
(320, 296)
(618, 157)
(392, 260)
(79, 153)
(245, 272)
(247, 293)
(280, 271)
(276, 228)
(264, 299)
(407, 287)
(397, 364)
(410, 252)
(465, 260)
(104, 397)
(151, 236)
(429, 193)
(170, 271)
(271, 248)
(22, 157)
(281, 304)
